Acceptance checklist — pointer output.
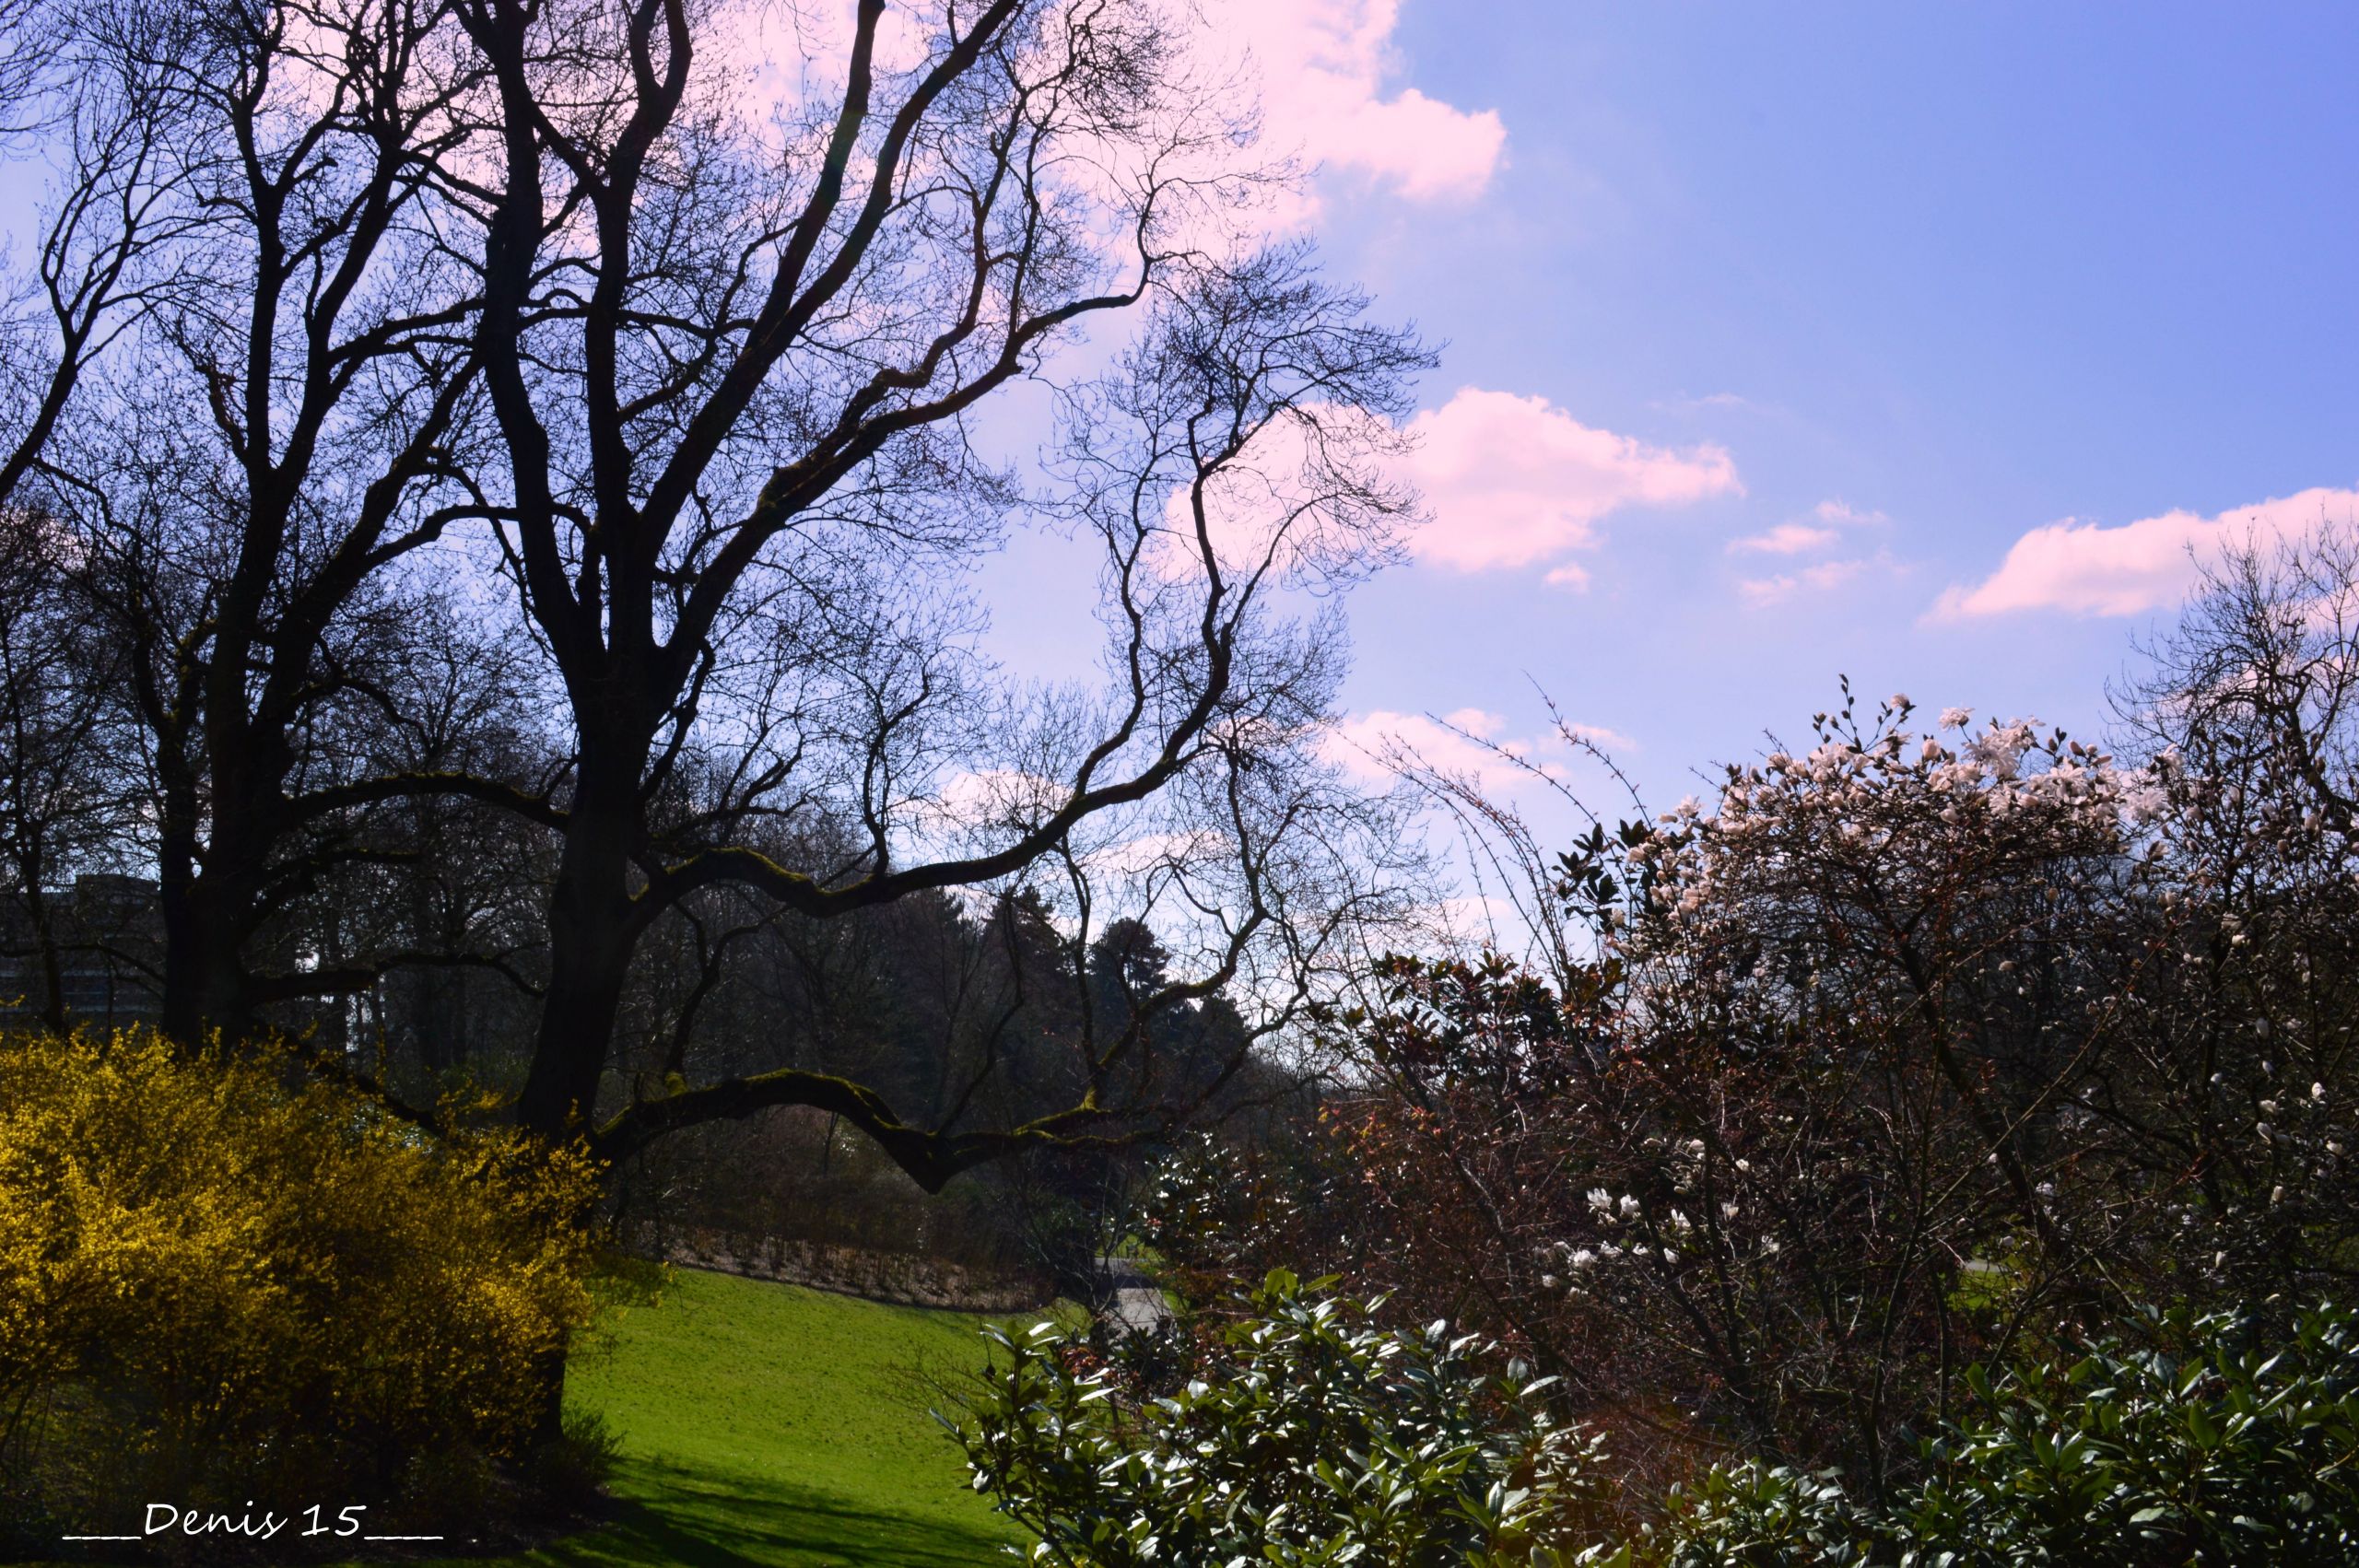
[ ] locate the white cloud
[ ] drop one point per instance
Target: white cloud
(2088, 569)
(1843, 514)
(1276, 502)
(981, 799)
(1376, 745)
(1484, 726)
(1801, 538)
(1786, 539)
(1322, 77)
(1507, 482)
(1820, 578)
(1709, 400)
(1324, 66)
(1511, 481)
(1602, 738)
(1135, 858)
(1470, 742)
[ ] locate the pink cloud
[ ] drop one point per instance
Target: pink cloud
(1512, 480)
(1321, 76)
(2087, 569)
(1375, 745)
(1786, 539)
(1368, 745)
(1470, 742)
(1323, 67)
(1600, 736)
(1843, 514)
(1475, 721)
(1286, 499)
(1485, 726)
(1818, 579)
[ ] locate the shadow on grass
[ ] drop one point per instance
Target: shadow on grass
(705, 1518)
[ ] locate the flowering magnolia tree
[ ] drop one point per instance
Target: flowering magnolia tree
(1768, 1147)
(1926, 1043)
(2242, 1033)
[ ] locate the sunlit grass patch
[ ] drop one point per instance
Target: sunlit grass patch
(765, 1424)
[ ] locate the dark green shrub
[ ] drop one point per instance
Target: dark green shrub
(1310, 1436)
(2223, 1440)
(1752, 1515)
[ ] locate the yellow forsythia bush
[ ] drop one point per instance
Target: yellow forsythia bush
(222, 1278)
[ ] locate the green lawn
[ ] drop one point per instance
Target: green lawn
(765, 1423)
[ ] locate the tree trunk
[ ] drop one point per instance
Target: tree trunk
(34, 868)
(203, 969)
(182, 1017)
(590, 940)
(210, 887)
(53, 964)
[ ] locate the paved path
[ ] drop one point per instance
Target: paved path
(1139, 1307)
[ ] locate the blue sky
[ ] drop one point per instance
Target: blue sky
(1970, 270)
(1971, 318)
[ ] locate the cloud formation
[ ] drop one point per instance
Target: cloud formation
(1376, 745)
(1323, 67)
(1511, 481)
(1601, 737)
(2085, 569)
(1818, 579)
(1470, 742)
(1786, 539)
(1843, 514)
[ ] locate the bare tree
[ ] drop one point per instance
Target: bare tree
(733, 379)
(101, 252)
(62, 802)
(95, 263)
(2262, 675)
(530, 306)
(23, 53)
(2249, 717)
(254, 460)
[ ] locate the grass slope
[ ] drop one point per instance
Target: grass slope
(768, 1424)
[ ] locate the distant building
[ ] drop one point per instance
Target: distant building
(109, 931)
